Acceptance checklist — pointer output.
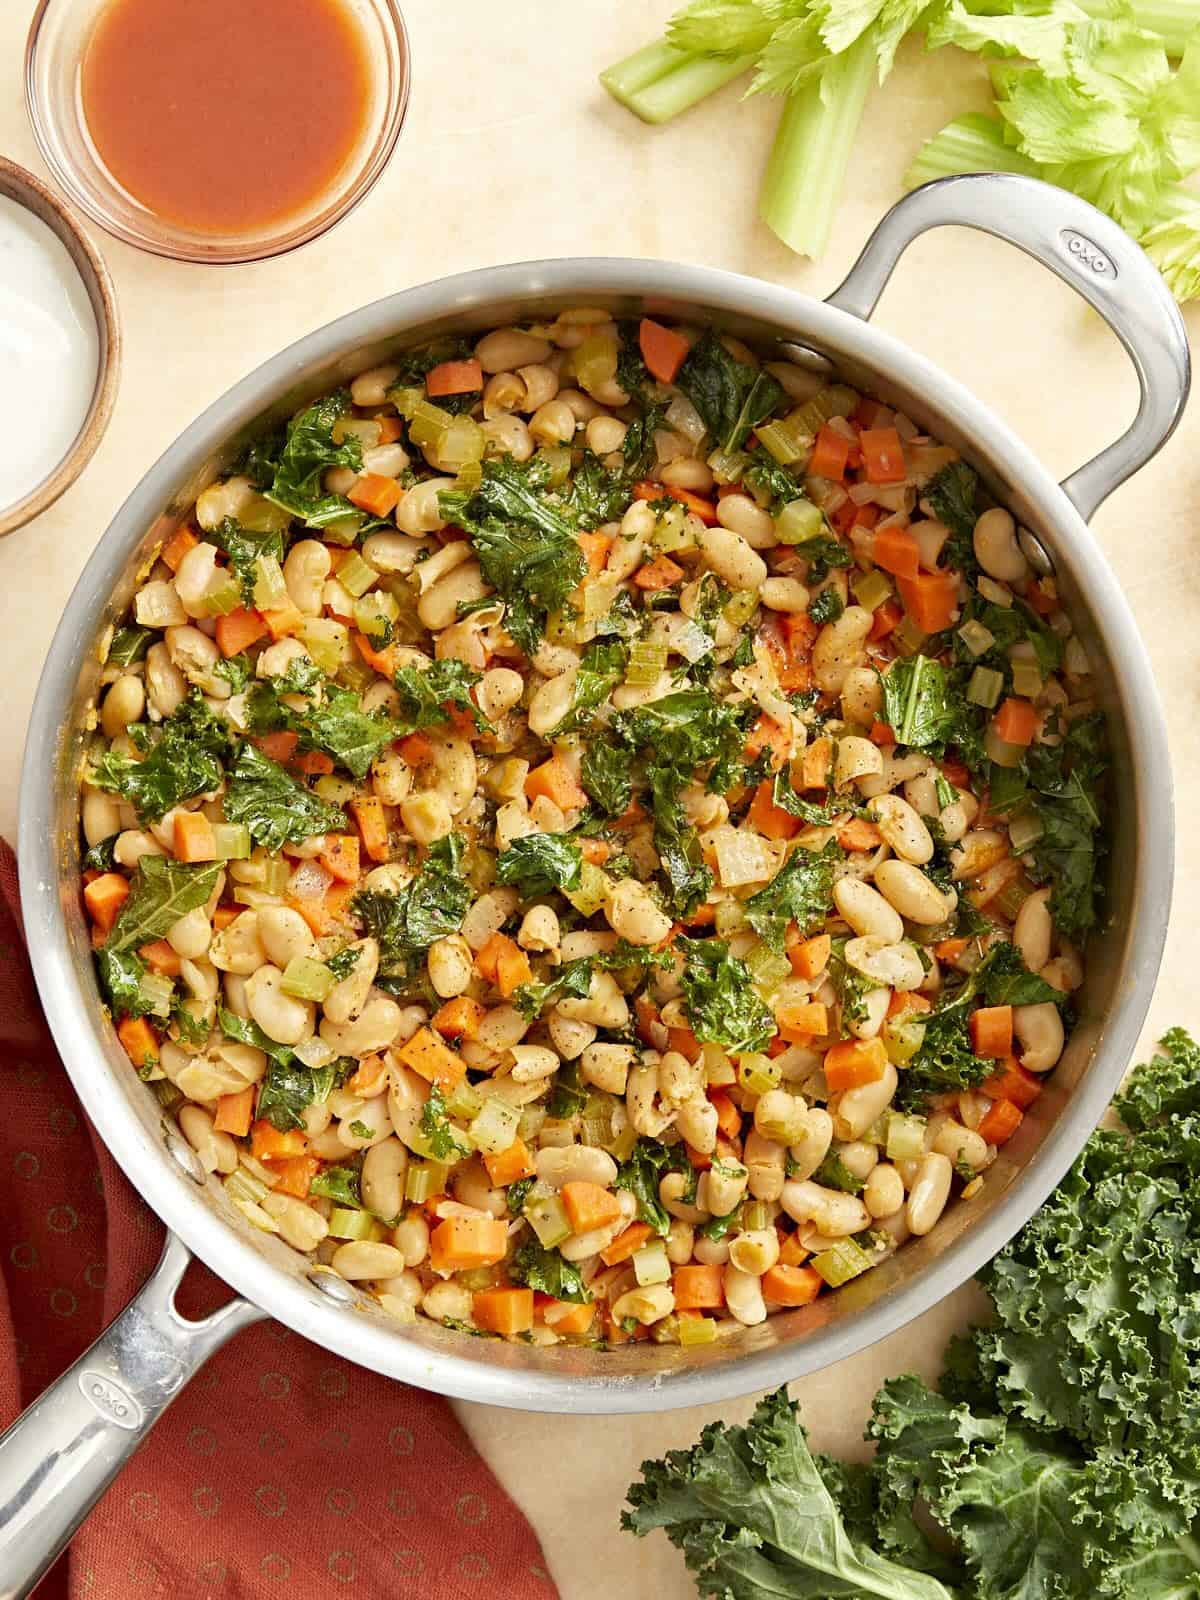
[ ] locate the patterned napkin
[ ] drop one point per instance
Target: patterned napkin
(281, 1470)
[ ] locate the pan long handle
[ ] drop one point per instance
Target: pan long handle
(58, 1458)
(1086, 250)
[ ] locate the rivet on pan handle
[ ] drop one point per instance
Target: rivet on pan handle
(58, 1458)
(1086, 250)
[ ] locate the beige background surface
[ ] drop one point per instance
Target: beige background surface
(511, 151)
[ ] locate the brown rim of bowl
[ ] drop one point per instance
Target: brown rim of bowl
(19, 185)
(331, 217)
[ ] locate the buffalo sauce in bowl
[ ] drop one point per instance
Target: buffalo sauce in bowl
(225, 115)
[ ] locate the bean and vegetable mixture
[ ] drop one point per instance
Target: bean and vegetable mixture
(592, 834)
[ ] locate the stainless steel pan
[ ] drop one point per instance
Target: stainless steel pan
(58, 1458)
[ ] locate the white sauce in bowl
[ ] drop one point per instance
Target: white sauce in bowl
(49, 352)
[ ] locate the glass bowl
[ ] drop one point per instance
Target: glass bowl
(54, 51)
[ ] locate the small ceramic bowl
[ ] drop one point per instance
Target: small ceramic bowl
(54, 51)
(22, 187)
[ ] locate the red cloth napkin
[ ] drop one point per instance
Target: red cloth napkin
(281, 1470)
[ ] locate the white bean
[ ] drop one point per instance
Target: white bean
(855, 758)
(996, 547)
(124, 703)
(929, 1193)
(509, 348)
(742, 515)
(575, 1163)
(101, 816)
(732, 559)
(304, 572)
(857, 1109)
(866, 910)
(883, 1194)
(744, 1296)
(363, 1258)
(1040, 1031)
(902, 828)
(840, 647)
(1033, 931)
(217, 1151)
(912, 894)
(348, 996)
(284, 934)
(299, 1225)
(634, 915)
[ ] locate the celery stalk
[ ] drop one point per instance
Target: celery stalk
(1174, 21)
(658, 82)
(807, 165)
(973, 143)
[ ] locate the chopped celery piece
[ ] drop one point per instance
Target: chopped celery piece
(336, 790)
(908, 638)
(223, 596)
(998, 593)
(595, 361)
(1027, 680)
(756, 1215)
(778, 440)
(741, 606)
(650, 1264)
(307, 979)
(730, 916)
(835, 400)
(1000, 751)
(727, 466)
(766, 968)
(231, 841)
(355, 575)
(592, 891)
(902, 1039)
(799, 520)
(530, 1124)
(270, 591)
(1012, 897)
(345, 1223)
(344, 530)
(622, 1145)
(1024, 830)
(548, 1219)
(470, 476)
(154, 992)
(327, 642)
(871, 589)
(423, 1180)
(375, 614)
(978, 639)
(168, 1095)
(495, 1128)
(696, 1330)
(658, 82)
(406, 398)
(428, 424)
(841, 1262)
(261, 515)
(276, 875)
(461, 443)
(243, 1185)
(758, 1074)
(671, 530)
(477, 1278)
(647, 662)
(985, 687)
(557, 458)
(905, 1137)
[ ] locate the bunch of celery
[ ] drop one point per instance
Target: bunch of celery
(1087, 98)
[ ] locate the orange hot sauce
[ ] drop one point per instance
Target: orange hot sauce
(222, 116)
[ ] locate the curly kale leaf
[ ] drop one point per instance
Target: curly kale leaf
(731, 396)
(723, 1007)
(429, 908)
(547, 1271)
(800, 892)
(273, 805)
(183, 761)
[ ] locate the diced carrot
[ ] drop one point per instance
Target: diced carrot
(810, 957)
(703, 917)
(314, 913)
(224, 915)
(646, 1014)
(1042, 601)
(931, 599)
(459, 1018)
(897, 552)
(161, 958)
(800, 632)
(566, 1317)
(458, 1244)
(992, 1031)
(381, 661)
(883, 458)
(1013, 1082)
(375, 494)
(906, 1003)
(793, 1250)
(391, 429)
(698, 1288)
(504, 964)
(313, 764)
(950, 949)
(235, 1112)
(177, 546)
(957, 773)
(859, 834)
(557, 782)
(369, 1077)
(791, 1286)
(853, 1062)
(454, 377)
(268, 1143)
(684, 1041)
(279, 746)
(510, 1165)
(104, 897)
(239, 629)
(194, 838)
(487, 957)
(767, 734)
(1001, 1122)
(415, 749)
(588, 1206)
(595, 547)
(1016, 721)
(140, 1041)
(432, 1060)
(367, 811)
(704, 509)
(830, 455)
(729, 1118)
(663, 350)
(887, 616)
(340, 856)
(803, 1021)
(295, 1174)
(772, 821)
(597, 851)
(661, 573)
(698, 1159)
(283, 620)
(868, 413)
(882, 733)
(504, 1311)
(624, 1245)
(816, 762)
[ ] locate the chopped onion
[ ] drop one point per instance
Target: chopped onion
(685, 419)
(998, 593)
(314, 1053)
(998, 750)
(741, 857)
